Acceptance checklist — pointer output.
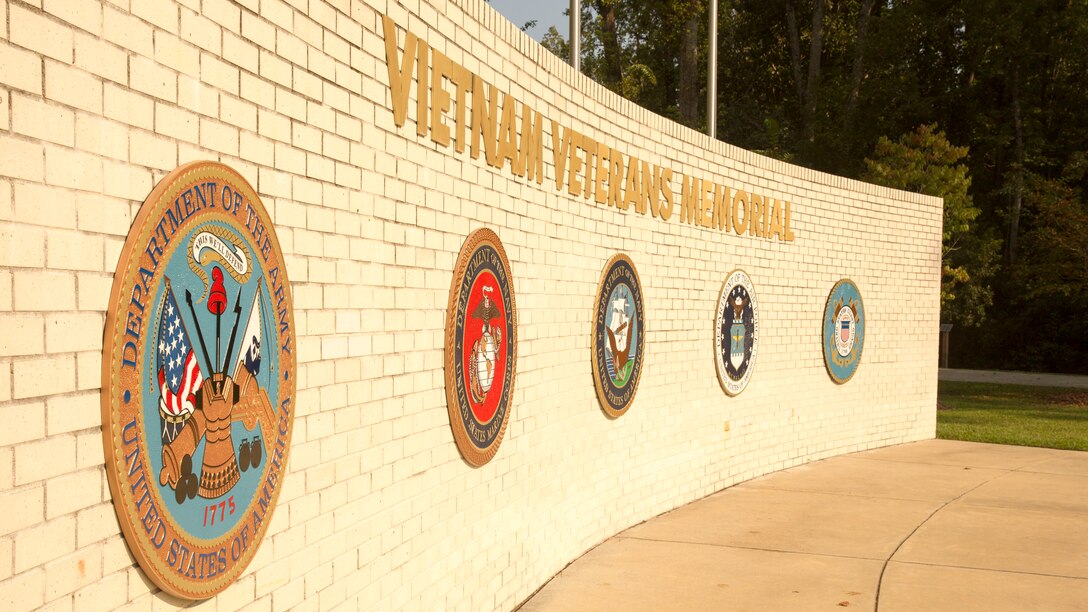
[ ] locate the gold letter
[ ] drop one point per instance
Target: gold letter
(600, 196)
(421, 88)
(574, 186)
(742, 198)
(588, 145)
(706, 205)
(689, 195)
(400, 74)
(485, 110)
(508, 136)
(615, 178)
(757, 210)
(531, 151)
(776, 220)
(632, 189)
(721, 208)
(440, 99)
(560, 152)
(665, 210)
(462, 78)
(649, 189)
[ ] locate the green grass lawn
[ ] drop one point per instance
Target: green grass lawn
(1013, 414)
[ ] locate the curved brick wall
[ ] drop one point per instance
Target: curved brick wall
(99, 101)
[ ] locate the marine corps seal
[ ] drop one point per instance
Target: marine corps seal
(198, 380)
(481, 347)
(736, 332)
(618, 330)
(844, 331)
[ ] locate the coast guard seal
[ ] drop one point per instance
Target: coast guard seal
(198, 380)
(844, 331)
(736, 332)
(481, 347)
(619, 327)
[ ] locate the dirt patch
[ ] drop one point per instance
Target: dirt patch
(1069, 398)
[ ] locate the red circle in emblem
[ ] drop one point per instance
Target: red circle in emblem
(485, 342)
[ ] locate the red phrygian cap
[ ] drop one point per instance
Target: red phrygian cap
(217, 299)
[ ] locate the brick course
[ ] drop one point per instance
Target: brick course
(98, 101)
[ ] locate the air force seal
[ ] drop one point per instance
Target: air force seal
(844, 331)
(619, 328)
(198, 380)
(736, 332)
(481, 347)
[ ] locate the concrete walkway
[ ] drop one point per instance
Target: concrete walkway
(1003, 377)
(934, 525)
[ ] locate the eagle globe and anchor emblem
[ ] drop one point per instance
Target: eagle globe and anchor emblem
(736, 332)
(198, 380)
(485, 350)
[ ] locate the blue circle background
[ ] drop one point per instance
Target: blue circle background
(190, 514)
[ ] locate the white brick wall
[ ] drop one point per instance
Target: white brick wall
(100, 100)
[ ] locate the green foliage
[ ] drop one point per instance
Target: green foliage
(1004, 79)
(1055, 264)
(633, 48)
(637, 80)
(924, 161)
(553, 41)
(1011, 414)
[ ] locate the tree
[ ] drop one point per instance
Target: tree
(688, 99)
(1056, 258)
(606, 32)
(807, 90)
(924, 161)
(824, 83)
(553, 41)
(864, 17)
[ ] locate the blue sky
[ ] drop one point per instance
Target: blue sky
(546, 12)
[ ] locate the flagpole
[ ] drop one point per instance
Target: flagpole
(712, 74)
(234, 330)
(199, 334)
(576, 34)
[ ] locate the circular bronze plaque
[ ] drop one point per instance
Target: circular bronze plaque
(736, 332)
(619, 330)
(481, 347)
(844, 331)
(198, 380)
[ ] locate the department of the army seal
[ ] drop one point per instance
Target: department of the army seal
(736, 332)
(481, 347)
(198, 380)
(619, 329)
(844, 331)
